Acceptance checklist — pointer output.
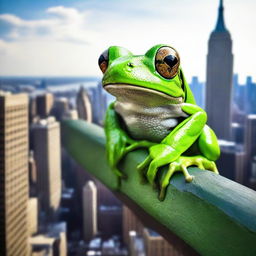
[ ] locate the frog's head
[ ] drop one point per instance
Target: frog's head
(157, 72)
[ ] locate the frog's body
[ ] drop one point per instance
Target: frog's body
(155, 108)
(147, 114)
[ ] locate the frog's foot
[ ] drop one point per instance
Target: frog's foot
(181, 164)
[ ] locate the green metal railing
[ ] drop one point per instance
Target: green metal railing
(209, 216)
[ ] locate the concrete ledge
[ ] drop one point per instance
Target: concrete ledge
(210, 216)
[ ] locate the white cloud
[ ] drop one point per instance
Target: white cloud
(3, 47)
(66, 24)
(69, 14)
(11, 19)
(52, 46)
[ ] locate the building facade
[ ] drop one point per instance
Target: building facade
(44, 104)
(13, 174)
(47, 154)
(130, 223)
(250, 147)
(32, 215)
(232, 160)
(157, 245)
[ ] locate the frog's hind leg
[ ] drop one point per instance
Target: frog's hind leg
(208, 144)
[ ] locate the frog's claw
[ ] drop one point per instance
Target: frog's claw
(142, 167)
(181, 164)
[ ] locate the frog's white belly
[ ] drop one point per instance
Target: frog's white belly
(152, 123)
(148, 114)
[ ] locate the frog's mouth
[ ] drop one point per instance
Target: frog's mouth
(141, 95)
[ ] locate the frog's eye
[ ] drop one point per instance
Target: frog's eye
(103, 61)
(167, 62)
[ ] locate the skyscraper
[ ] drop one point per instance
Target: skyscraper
(60, 108)
(84, 106)
(250, 96)
(130, 223)
(89, 210)
(13, 174)
(198, 89)
(32, 215)
(250, 146)
(157, 245)
(32, 175)
(52, 243)
(44, 104)
(98, 98)
(219, 78)
(47, 149)
(136, 245)
(231, 161)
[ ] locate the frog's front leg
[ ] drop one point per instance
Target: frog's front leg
(176, 143)
(180, 165)
(209, 152)
(118, 143)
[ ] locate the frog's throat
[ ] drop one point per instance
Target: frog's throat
(134, 92)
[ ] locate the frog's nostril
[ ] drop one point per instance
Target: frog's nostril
(130, 64)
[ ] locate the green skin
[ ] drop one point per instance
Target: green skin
(190, 143)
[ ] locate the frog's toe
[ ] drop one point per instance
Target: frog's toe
(152, 172)
(165, 182)
(200, 161)
(184, 169)
(141, 168)
(210, 165)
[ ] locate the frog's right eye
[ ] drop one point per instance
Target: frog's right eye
(103, 61)
(167, 62)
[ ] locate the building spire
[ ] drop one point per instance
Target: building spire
(220, 25)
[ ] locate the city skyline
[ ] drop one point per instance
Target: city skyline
(55, 202)
(74, 33)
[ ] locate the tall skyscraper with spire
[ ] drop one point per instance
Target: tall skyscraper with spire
(219, 78)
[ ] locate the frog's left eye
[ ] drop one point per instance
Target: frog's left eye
(167, 62)
(103, 61)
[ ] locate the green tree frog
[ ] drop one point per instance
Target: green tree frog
(155, 109)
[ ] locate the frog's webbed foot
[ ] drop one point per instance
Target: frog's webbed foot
(181, 164)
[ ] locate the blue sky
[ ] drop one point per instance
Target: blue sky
(65, 38)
